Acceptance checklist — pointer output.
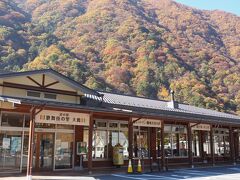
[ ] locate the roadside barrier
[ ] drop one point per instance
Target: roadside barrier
(130, 168)
(139, 166)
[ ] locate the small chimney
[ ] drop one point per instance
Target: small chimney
(172, 104)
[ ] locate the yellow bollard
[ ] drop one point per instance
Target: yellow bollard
(130, 168)
(139, 167)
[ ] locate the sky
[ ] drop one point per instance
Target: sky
(232, 6)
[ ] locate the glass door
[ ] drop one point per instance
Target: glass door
(44, 151)
(10, 150)
(64, 150)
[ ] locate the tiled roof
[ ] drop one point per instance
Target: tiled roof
(150, 104)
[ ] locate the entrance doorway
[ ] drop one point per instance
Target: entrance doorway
(44, 151)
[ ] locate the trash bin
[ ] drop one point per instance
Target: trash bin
(118, 155)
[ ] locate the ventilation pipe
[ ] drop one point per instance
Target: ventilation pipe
(172, 104)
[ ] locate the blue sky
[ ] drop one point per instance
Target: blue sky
(232, 6)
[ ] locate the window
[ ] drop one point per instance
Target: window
(63, 150)
(206, 143)
(141, 142)
(158, 142)
(221, 142)
(33, 94)
(196, 143)
(36, 94)
(50, 96)
(100, 150)
(175, 140)
(12, 119)
(106, 135)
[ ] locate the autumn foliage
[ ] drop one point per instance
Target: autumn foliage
(139, 47)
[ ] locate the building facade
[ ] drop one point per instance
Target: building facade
(45, 117)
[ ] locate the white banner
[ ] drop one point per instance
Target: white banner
(59, 117)
(147, 122)
(200, 127)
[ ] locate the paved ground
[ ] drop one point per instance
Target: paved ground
(216, 173)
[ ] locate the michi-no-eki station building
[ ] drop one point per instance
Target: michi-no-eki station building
(48, 121)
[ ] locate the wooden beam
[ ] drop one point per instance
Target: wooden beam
(34, 81)
(130, 138)
(232, 147)
(137, 120)
(40, 108)
(90, 139)
(162, 147)
(51, 84)
(190, 154)
(153, 142)
(43, 80)
(212, 146)
(27, 87)
(31, 143)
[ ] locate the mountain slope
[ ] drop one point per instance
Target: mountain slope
(140, 47)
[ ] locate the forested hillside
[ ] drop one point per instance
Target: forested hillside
(139, 47)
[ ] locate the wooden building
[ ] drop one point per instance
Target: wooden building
(45, 115)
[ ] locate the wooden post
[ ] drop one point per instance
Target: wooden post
(130, 138)
(153, 143)
(212, 146)
(90, 139)
(162, 147)
(190, 154)
(202, 154)
(31, 143)
(232, 150)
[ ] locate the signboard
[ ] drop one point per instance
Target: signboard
(6, 143)
(147, 122)
(81, 148)
(59, 117)
(200, 127)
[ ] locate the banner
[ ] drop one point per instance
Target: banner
(200, 127)
(147, 122)
(59, 117)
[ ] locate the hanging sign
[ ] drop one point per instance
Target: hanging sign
(200, 127)
(59, 117)
(147, 122)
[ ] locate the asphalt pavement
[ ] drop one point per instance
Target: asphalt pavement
(211, 173)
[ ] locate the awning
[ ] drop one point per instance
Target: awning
(8, 103)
